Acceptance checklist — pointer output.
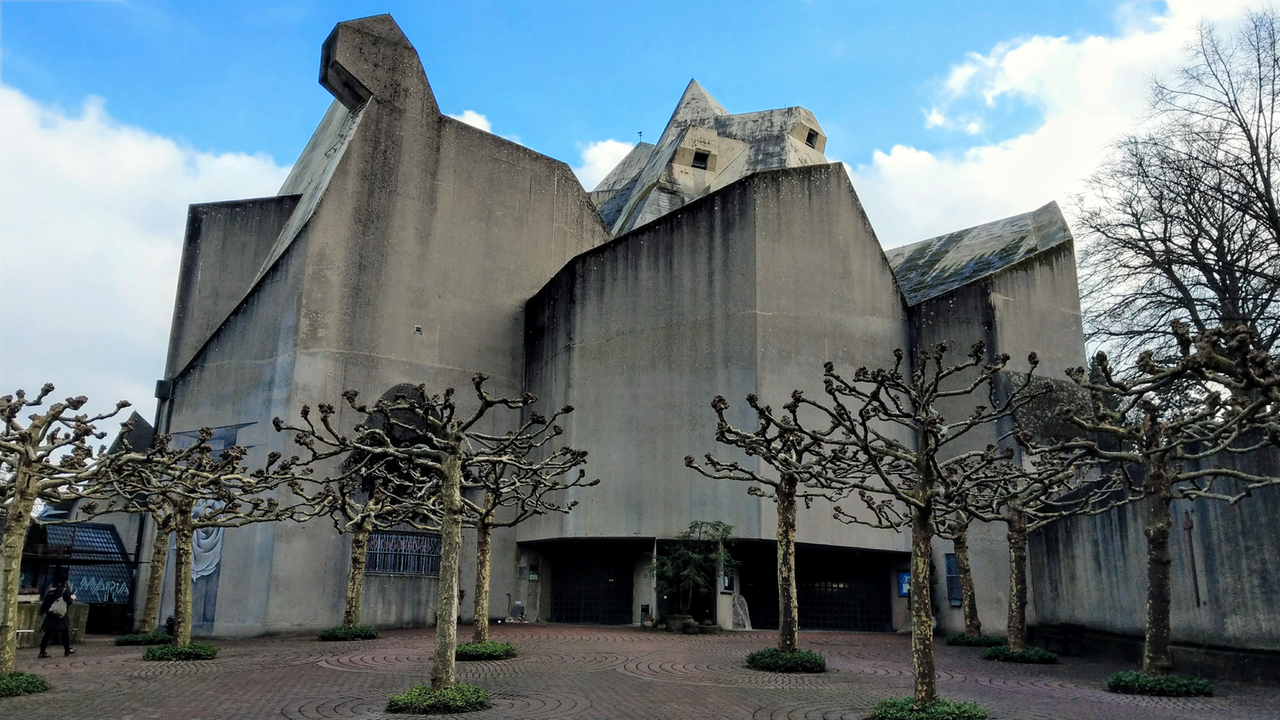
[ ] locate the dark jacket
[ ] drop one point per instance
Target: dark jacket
(51, 621)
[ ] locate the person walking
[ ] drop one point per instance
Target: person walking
(56, 607)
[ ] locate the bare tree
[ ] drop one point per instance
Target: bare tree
(193, 488)
(1178, 450)
(791, 453)
(955, 527)
(1183, 220)
(892, 442)
(370, 491)
(40, 457)
(520, 483)
(433, 460)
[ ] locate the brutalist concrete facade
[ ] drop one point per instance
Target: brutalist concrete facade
(408, 247)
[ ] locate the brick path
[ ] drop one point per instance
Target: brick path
(587, 672)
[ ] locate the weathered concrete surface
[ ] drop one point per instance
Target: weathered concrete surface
(747, 290)
(1092, 571)
(1030, 305)
(406, 218)
(654, 180)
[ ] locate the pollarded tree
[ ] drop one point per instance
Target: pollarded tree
(516, 479)
(955, 527)
(1229, 405)
(41, 456)
(193, 488)
(433, 462)
(894, 447)
(781, 443)
(369, 491)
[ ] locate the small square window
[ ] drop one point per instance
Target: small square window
(812, 139)
(700, 159)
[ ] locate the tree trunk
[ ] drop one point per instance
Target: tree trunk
(355, 576)
(968, 598)
(17, 520)
(1157, 659)
(183, 532)
(922, 605)
(788, 607)
(484, 534)
(155, 579)
(442, 664)
(1017, 580)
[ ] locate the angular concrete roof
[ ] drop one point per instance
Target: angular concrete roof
(939, 265)
(702, 149)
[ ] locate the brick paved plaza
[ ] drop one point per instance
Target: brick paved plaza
(585, 672)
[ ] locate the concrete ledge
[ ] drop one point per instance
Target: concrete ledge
(1260, 666)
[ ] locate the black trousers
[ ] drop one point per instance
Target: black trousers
(62, 629)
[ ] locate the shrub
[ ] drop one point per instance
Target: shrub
(359, 632)
(1132, 682)
(485, 651)
(422, 700)
(21, 683)
(193, 651)
(1031, 654)
(151, 638)
(974, 640)
(774, 660)
(906, 709)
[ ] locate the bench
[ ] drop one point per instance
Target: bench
(1064, 634)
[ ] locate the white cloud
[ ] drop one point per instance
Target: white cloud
(1087, 90)
(598, 159)
(474, 119)
(935, 118)
(91, 233)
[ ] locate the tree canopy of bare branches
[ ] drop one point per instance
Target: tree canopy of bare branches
(1182, 222)
(187, 489)
(1167, 450)
(41, 456)
(426, 452)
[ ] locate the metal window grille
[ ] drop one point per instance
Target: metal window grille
(953, 581)
(403, 553)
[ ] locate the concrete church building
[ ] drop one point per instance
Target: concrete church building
(728, 258)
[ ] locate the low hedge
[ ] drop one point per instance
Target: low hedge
(192, 651)
(1133, 682)
(906, 709)
(974, 640)
(359, 632)
(422, 700)
(1031, 654)
(489, 650)
(151, 638)
(21, 683)
(774, 660)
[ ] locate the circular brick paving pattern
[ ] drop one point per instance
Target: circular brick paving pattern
(589, 672)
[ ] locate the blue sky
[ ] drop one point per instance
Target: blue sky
(117, 115)
(241, 76)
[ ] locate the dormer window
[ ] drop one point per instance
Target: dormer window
(812, 139)
(700, 159)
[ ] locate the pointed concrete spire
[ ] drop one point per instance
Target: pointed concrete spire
(696, 105)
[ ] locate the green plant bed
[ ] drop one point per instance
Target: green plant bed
(1031, 654)
(774, 660)
(422, 700)
(21, 683)
(906, 709)
(193, 651)
(151, 638)
(359, 632)
(1132, 682)
(485, 651)
(974, 640)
